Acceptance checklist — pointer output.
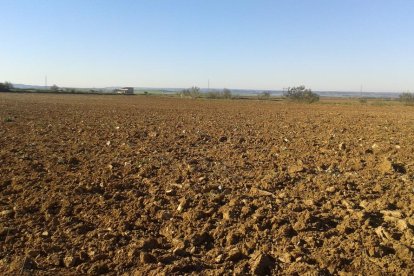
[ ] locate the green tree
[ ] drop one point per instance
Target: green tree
(301, 94)
(54, 88)
(265, 95)
(227, 93)
(6, 86)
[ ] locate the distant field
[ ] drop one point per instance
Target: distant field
(91, 184)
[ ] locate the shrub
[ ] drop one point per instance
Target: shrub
(193, 92)
(407, 98)
(301, 94)
(225, 94)
(54, 88)
(265, 95)
(213, 95)
(363, 100)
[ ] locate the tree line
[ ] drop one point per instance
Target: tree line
(6, 86)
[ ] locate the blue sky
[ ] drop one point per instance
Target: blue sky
(256, 44)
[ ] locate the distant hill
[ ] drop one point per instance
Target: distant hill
(246, 92)
(28, 86)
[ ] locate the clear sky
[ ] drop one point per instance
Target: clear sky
(255, 44)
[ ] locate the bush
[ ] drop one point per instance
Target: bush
(265, 95)
(193, 92)
(6, 86)
(54, 88)
(225, 94)
(68, 90)
(213, 95)
(301, 94)
(407, 98)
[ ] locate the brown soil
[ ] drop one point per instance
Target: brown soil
(151, 185)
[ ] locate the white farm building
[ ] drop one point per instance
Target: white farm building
(125, 90)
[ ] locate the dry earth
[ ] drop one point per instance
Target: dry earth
(151, 185)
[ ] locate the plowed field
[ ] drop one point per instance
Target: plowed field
(156, 185)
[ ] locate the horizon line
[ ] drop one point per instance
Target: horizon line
(210, 88)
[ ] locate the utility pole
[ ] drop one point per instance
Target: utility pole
(46, 82)
(208, 85)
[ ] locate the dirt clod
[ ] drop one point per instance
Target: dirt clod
(261, 264)
(147, 258)
(70, 261)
